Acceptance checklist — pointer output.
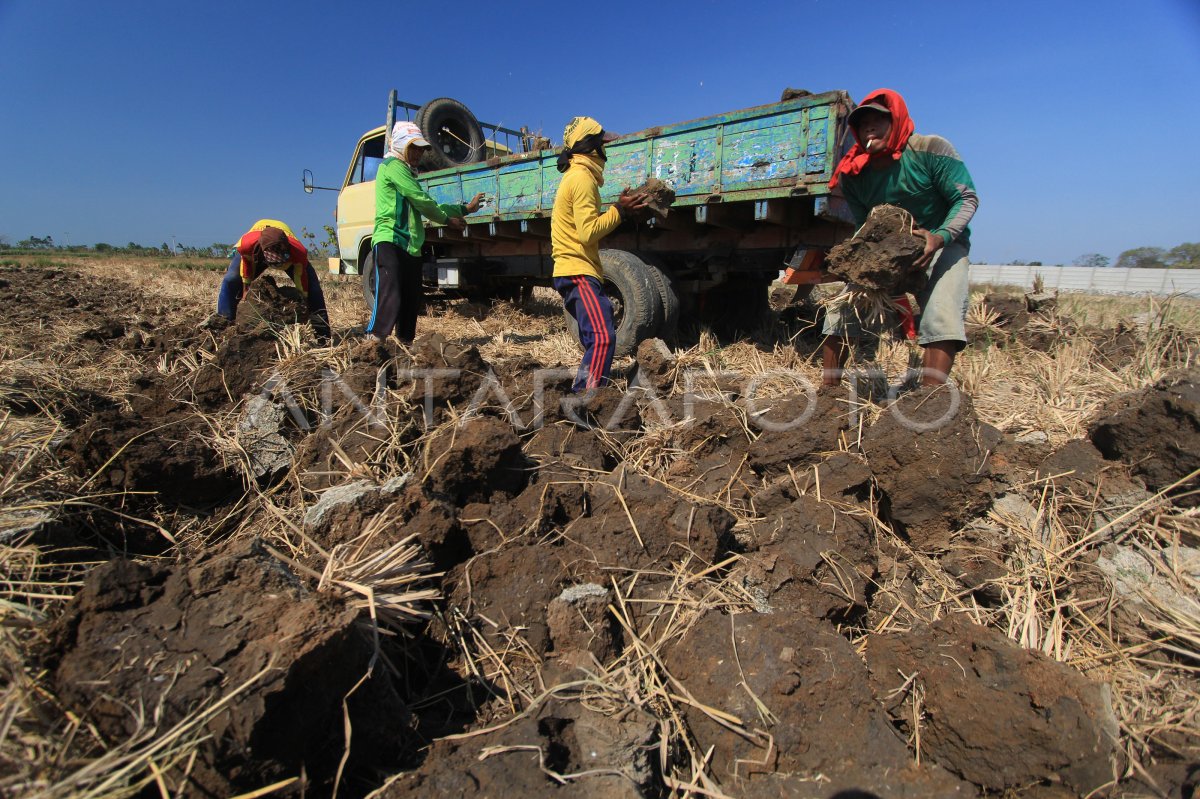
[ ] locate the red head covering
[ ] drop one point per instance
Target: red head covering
(902, 127)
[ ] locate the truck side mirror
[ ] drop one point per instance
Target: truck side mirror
(309, 186)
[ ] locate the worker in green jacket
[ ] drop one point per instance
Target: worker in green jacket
(400, 205)
(890, 164)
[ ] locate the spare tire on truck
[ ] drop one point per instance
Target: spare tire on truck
(637, 308)
(453, 131)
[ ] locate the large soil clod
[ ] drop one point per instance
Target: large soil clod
(243, 365)
(656, 365)
(509, 590)
(563, 445)
(798, 431)
(999, 715)
(636, 523)
(813, 558)
(925, 454)
(561, 749)
(1094, 493)
(451, 373)
(579, 622)
(145, 646)
(842, 477)
(1157, 432)
(799, 692)
(471, 462)
(881, 254)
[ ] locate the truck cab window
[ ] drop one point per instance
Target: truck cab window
(370, 156)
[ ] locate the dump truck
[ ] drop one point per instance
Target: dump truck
(752, 197)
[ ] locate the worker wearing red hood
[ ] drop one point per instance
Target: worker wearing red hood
(890, 164)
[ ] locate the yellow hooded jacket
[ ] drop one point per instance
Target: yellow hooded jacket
(576, 225)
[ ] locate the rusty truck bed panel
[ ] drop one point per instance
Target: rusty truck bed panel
(780, 150)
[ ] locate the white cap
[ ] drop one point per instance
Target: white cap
(404, 134)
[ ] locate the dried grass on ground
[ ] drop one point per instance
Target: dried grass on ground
(46, 750)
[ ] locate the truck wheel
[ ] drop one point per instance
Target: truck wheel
(366, 265)
(668, 296)
(637, 309)
(453, 131)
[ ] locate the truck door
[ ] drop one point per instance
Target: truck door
(356, 201)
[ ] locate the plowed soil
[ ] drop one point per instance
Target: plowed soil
(637, 596)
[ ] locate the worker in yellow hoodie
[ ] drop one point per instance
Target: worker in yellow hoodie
(576, 227)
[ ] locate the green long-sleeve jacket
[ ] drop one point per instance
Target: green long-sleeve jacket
(401, 203)
(930, 181)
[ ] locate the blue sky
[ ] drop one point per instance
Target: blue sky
(139, 121)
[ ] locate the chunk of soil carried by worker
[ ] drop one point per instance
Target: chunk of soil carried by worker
(881, 254)
(270, 306)
(659, 195)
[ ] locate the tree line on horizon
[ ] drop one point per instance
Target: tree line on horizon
(316, 248)
(1185, 256)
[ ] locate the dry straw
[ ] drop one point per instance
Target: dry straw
(1146, 648)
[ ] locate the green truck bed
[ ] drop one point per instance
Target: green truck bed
(781, 150)
(751, 195)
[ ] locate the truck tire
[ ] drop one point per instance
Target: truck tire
(637, 308)
(453, 131)
(366, 266)
(668, 296)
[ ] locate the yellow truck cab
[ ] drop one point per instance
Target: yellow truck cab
(456, 137)
(355, 213)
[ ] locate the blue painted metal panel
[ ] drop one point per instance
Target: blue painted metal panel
(519, 188)
(549, 178)
(752, 154)
(818, 130)
(761, 152)
(628, 165)
(686, 162)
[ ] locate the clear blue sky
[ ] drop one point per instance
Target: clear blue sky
(125, 120)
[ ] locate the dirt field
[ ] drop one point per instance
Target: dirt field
(237, 564)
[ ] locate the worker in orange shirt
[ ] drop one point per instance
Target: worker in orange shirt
(271, 243)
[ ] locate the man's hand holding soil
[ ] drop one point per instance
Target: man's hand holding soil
(632, 204)
(933, 243)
